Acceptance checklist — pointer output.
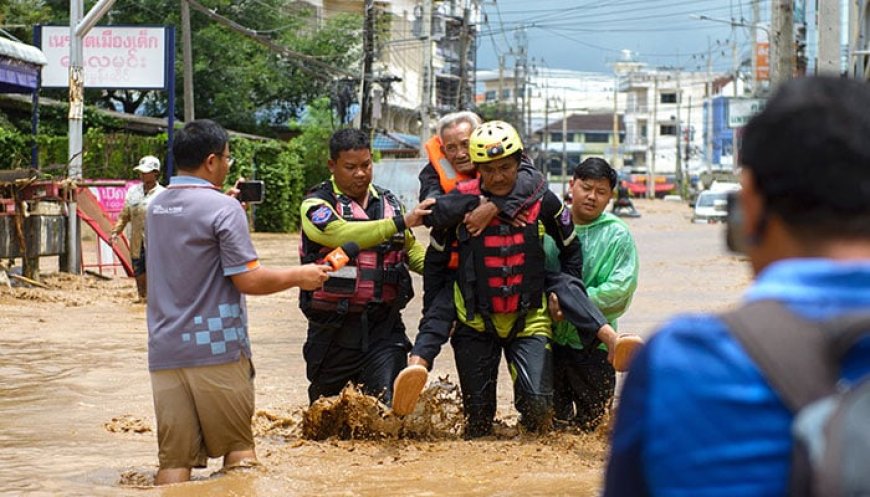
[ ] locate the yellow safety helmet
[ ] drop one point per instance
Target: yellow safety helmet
(493, 140)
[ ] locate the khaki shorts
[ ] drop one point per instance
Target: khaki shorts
(203, 412)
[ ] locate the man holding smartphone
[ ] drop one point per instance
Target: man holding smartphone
(201, 262)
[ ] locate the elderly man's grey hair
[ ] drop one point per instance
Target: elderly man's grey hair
(456, 118)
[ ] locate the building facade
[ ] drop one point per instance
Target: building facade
(400, 75)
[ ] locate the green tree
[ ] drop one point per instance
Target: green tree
(238, 82)
(312, 143)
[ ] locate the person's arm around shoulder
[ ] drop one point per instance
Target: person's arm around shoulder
(263, 281)
(528, 189)
(451, 208)
(430, 183)
(557, 222)
(322, 224)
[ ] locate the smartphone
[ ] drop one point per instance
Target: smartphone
(734, 238)
(252, 192)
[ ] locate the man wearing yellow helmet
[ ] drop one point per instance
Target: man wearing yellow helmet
(441, 176)
(499, 295)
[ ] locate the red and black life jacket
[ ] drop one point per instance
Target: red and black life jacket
(379, 270)
(502, 269)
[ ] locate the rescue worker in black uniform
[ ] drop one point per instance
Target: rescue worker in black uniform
(499, 296)
(448, 166)
(355, 329)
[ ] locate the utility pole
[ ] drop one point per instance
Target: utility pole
(462, 100)
(734, 58)
(683, 190)
(782, 42)
(614, 139)
(79, 26)
(517, 119)
(756, 18)
(426, 93)
(651, 170)
(709, 135)
(678, 157)
(528, 119)
(368, 59)
(829, 37)
(520, 75)
(545, 168)
(187, 52)
(499, 105)
(564, 144)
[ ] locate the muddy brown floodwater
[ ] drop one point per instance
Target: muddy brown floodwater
(76, 416)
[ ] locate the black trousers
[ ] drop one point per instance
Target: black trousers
(529, 359)
(340, 351)
(583, 383)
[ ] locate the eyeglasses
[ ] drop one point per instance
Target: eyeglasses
(230, 159)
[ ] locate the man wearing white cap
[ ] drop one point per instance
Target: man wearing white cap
(135, 207)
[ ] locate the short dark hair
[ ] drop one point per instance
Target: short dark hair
(809, 153)
(196, 141)
(347, 139)
(596, 168)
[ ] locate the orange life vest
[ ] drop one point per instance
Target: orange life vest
(447, 174)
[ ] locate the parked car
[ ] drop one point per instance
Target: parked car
(711, 207)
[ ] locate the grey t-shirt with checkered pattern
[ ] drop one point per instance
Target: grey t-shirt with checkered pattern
(197, 238)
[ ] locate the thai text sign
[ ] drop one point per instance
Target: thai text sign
(112, 197)
(113, 57)
(740, 110)
(762, 57)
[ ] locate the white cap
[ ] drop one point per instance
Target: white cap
(147, 164)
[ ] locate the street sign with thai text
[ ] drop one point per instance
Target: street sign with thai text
(740, 110)
(114, 57)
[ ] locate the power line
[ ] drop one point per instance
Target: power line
(301, 60)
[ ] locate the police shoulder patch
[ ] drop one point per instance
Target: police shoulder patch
(321, 215)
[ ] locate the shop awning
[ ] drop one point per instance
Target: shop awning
(19, 66)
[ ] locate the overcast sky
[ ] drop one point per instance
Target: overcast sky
(586, 35)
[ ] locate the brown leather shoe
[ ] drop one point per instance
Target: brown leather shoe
(407, 387)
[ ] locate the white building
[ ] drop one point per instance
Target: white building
(398, 68)
(549, 92)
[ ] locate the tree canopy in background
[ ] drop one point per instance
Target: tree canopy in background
(238, 82)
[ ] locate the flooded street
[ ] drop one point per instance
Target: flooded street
(76, 415)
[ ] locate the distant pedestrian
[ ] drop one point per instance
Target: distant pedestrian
(135, 207)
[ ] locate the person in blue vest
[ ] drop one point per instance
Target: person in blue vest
(696, 415)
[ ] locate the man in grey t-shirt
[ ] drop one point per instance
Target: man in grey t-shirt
(201, 262)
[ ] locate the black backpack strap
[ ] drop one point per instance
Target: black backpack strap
(789, 350)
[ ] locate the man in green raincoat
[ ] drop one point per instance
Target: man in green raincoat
(584, 380)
